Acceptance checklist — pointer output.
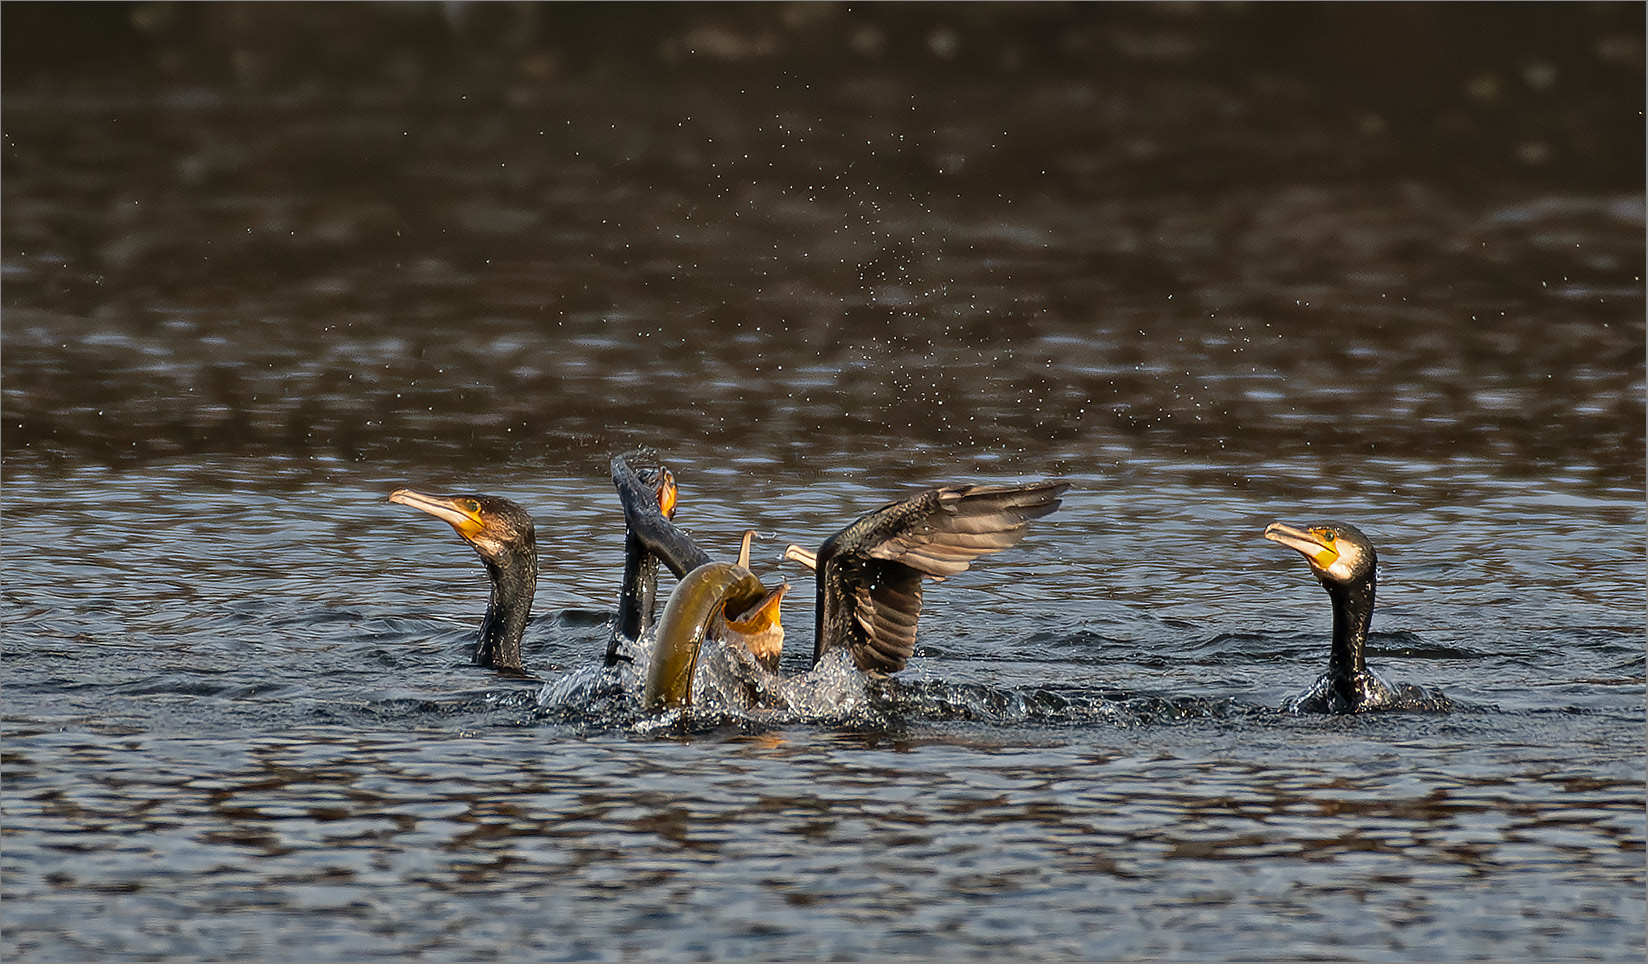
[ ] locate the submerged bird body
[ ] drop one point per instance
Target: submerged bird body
(1347, 566)
(502, 534)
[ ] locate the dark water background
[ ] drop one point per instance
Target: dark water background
(1216, 265)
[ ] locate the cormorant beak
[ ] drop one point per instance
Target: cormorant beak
(761, 616)
(798, 554)
(758, 627)
(666, 492)
(1316, 545)
(460, 512)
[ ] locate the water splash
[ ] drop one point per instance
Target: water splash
(731, 689)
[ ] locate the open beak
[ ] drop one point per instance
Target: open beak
(759, 627)
(744, 548)
(460, 513)
(761, 616)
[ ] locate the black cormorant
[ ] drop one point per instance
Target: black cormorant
(649, 497)
(869, 574)
(869, 583)
(1344, 561)
(501, 534)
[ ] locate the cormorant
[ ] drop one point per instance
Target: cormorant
(718, 600)
(869, 574)
(1345, 563)
(869, 583)
(649, 497)
(501, 533)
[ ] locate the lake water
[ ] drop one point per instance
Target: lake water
(238, 717)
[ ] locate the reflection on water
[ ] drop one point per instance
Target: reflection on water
(1216, 266)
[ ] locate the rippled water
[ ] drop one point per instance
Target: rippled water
(238, 717)
(241, 709)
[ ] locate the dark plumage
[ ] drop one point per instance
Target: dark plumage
(869, 574)
(502, 534)
(650, 537)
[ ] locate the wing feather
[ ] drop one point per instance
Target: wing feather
(879, 561)
(886, 611)
(943, 530)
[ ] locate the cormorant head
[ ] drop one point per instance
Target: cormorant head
(1337, 552)
(755, 622)
(757, 627)
(497, 528)
(662, 481)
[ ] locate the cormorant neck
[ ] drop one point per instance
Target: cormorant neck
(826, 617)
(637, 597)
(514, 581)
(1352, 614)
(820, 607)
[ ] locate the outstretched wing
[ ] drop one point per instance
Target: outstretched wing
(870, 572)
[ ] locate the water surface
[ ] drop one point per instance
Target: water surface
(239, 721)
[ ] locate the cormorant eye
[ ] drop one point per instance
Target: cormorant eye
(471, 506)
(1327, 535)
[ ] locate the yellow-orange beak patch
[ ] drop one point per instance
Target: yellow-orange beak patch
(762, 616)
(1316, 545)
(461, 513)
(759, 628)
(666, 492)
